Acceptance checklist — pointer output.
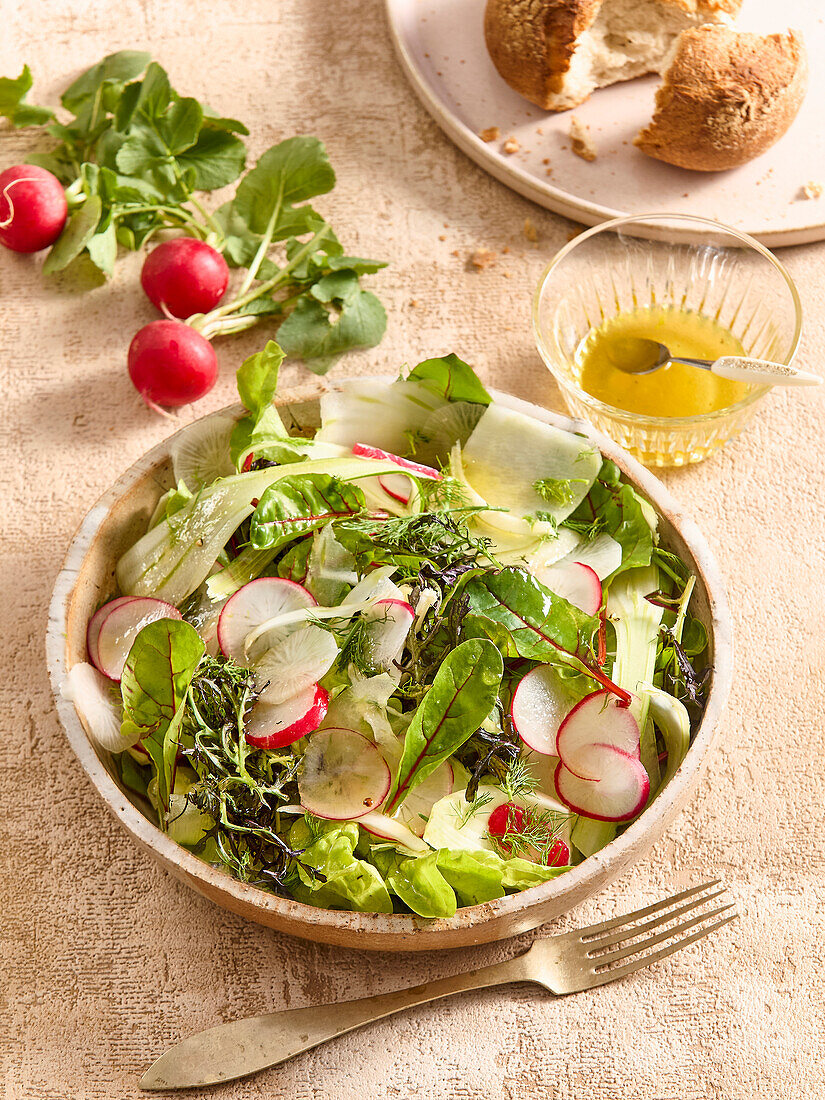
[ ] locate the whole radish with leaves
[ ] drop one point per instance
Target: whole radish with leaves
(137, 159)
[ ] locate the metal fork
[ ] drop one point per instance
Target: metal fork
(568, 963)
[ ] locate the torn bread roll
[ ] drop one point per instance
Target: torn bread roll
(726, 97)
(556, 52)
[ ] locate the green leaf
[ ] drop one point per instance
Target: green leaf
(313, 333)
(155, 93)
(257, 378)
(420, 885)
(341, 287)
(621, 513)
(140, 153)
(13, 92)
(476, 877)
(216, 159)
(301, 503)
(356, 264)
(103, 249)
(461, 697)
(122, 66)
(218, 122)
(347, 882)
(294, 564)
(293, 170)
(452, 379)
(155, 680)
(181, 125)
(79, 230)
(525, 619)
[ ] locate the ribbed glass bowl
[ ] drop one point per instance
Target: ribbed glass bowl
(724, 275)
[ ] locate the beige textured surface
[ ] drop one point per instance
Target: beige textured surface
(104, 959)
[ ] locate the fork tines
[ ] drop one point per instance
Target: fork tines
(622, 929)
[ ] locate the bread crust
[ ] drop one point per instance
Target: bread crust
(531, 42)
(727, 97)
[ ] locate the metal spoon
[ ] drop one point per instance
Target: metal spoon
(634, 355)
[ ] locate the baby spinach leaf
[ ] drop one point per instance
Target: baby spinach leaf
(462, 694)
(452, 379)
(620, 512)
(300, 503)
(156, 678)
(13, 92)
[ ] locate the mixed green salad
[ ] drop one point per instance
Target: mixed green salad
(422, 657)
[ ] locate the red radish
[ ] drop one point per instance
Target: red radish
(364, 450)
(170, 364)
(122, 625)
(33, 208)
(510, 819)
(390, 621)
(600, 773)
(540, 702)
(574, 582)
(397, 486)
(388, 828)
(272, 726)
(96, 622)
(184, 276)
(295, 663)
(256, 603)
(415, 810)
(343, 775)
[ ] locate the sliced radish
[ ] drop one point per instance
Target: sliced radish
(96, 622)
(417, 469)
(598, 720)
(92, 694)
(540, 703)
(574, 582)
(390, 621)
(254, 604)
(200, 452)
(274, 725)
(397, 486)
(295, 663)
(122, 625)
(603, 555)
(414, 811)
(343, 775)
(389, 828)
(600, 773)
(510, 820)
(619, 795)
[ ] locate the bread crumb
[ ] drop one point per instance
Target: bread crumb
(413, 302)
(507, 274)
(492, 133)
(812, 190)
(581, 142)
(506, 248)
(482, 258)
(442, 236)
(530, 231)
(511, 146)
(548, 171)
(456, 252)
(546, 160)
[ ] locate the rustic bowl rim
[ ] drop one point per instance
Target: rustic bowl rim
(329, 924)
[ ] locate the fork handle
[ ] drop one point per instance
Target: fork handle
(245, 1046)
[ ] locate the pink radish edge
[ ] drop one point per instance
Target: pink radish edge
(96, 622)
(308, 720)
(643, 786)
(418, 469)
(237, 599)
(122, 633)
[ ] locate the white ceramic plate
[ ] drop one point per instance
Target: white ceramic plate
(441, 47)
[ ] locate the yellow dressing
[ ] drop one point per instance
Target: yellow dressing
(676, 389)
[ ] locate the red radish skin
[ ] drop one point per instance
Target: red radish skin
(538, 707)
(96, 622)
(284, 727)
(33, 208)
(184, 276)
(171, 365)
(599, 718)
(584, 796)
(364, 450)
(396, 486)
(509, 819)
(255, 603)
(122, 625)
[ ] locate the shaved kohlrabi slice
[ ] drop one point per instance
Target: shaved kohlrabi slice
(603, 555)
(200, 452)
(508, 452)
(174, 558)
(384, 414)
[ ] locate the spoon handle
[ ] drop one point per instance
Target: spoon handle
(741, 369)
